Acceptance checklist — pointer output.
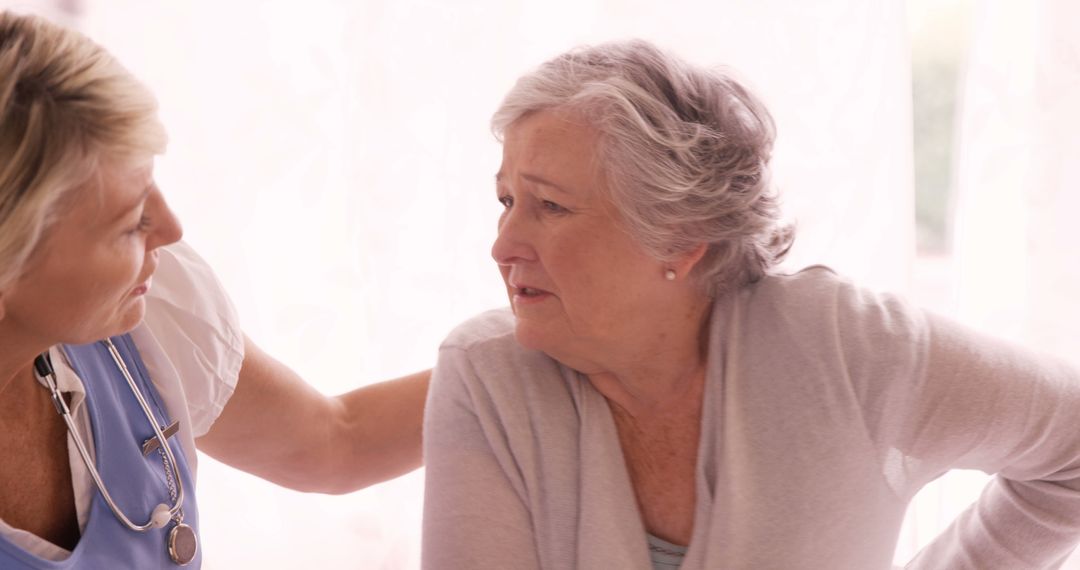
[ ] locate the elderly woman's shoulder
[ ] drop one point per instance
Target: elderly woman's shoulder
(817, 290)
(487, 347)
(806, 281)
(491, 328)
(809, 280)
(822, 287)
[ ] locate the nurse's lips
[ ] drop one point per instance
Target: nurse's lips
(141, 289)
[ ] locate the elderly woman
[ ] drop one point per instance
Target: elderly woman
(100, 363)
(658, 395)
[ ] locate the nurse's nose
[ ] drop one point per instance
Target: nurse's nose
(165, 228)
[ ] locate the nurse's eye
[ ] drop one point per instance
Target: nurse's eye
(142, 226)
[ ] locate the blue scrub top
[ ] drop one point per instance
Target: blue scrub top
(136, 483)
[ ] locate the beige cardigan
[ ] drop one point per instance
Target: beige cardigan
(827, 407)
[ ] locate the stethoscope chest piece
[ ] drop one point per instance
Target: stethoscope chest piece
(183, 544)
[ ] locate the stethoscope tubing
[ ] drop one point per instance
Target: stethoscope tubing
(65, 412)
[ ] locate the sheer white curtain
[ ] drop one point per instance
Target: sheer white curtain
(332, 161)
(1018, 179)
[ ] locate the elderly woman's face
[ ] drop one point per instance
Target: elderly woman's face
(87, 278)
(576, 279)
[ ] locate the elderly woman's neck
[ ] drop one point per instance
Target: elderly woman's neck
(661, 368)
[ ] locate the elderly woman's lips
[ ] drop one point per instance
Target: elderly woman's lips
(528, 295)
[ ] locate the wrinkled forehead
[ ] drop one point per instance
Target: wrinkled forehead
(553, 144)
(554, 126)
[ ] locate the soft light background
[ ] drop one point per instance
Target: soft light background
(332, 161)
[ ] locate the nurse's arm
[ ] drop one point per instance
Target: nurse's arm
(283, 430)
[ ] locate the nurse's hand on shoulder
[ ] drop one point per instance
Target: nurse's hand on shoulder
(279, 428)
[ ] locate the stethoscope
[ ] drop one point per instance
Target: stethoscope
(182, 542)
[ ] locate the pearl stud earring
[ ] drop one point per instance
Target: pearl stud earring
(669, 275)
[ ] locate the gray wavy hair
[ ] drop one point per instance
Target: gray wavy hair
(66, 105)
(685, 152)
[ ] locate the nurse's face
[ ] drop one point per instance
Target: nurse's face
(88, 277)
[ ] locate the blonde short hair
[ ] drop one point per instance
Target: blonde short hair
(66, 105)
(685, 151)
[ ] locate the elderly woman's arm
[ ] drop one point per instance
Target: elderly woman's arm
(938, 396)
(474, 513)
(988, 405)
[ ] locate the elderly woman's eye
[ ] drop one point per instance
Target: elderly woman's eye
(553, 207)
(506, 201)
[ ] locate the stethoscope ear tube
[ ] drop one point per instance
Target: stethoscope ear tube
(44, 370)
(43, 365)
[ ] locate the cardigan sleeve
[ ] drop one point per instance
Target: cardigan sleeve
(475, 515)
(988, 405)
(940, 396)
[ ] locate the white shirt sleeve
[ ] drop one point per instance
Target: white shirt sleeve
(190, 341)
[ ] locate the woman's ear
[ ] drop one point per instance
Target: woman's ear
(685, 262)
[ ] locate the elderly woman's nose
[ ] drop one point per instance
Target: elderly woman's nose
(512, 244)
